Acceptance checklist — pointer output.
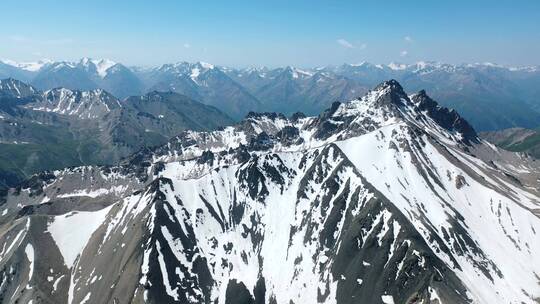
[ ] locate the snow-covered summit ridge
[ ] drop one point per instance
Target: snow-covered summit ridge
(98, 66)
(88, 104)
(28, 66)
(387, 104)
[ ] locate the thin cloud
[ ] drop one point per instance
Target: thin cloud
(344, 43)
(403, 53)
(18, 38)
(59, 41)
(408, 39)
(362, 46)
(187, 45)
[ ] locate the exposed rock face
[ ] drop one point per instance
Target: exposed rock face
(379, 200)
(445, 117)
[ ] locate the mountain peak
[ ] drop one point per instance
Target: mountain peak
(391, 92)
(16, 88)
(397, 66)
(391, 84)
(88, 104)
(99, 66)
(27, 66)
(206, 65)
(261, 115)
(446, 118)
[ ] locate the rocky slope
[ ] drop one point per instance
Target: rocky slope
(62, 127)
(516, 139)
(386, 199)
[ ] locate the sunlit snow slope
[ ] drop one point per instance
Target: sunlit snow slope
(385, 199)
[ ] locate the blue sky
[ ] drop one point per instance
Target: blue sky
(273, 33)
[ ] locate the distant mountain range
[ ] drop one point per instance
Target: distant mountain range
(490, 96)
(43, 130)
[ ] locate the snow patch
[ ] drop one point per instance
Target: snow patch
(72, 231)
(29, 250)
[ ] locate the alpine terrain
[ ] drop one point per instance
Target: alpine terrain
(490, 96)
(388, 198)
(57, 128)
(516, 139)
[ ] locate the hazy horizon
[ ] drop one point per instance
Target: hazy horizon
(307, 34)
(387, 64)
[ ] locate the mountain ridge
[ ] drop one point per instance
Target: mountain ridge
(370, 201)
(62, 127)
(490, 96)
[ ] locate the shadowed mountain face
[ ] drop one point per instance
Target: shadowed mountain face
(389, 198)
(88, 74)
(62, 127)
(490, 97)
(205, 82)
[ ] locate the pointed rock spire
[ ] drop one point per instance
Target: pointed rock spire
(446, 118)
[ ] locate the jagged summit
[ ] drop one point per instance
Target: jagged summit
(270, 115)
(446, 118)
(391, 84)
(386, 106)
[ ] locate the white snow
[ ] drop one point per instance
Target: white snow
(387, 299)
(94, 193)
(170, 291)
(86, 298)
(194, 74)
(72, 231)
(206, 65)
(29, 250)
(102, 66)
(28, 66)
(55, 284)
(20, 235)
(380, 166)
(397, 66)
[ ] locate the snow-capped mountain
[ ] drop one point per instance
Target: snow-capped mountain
(204, 82)
(16, 88)
(63, 127)
(85, 74)
(488, 95)
(88, 74)
(28, 66)
(84, 104)
(389, 198)
(101, 66)
(288, 90)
